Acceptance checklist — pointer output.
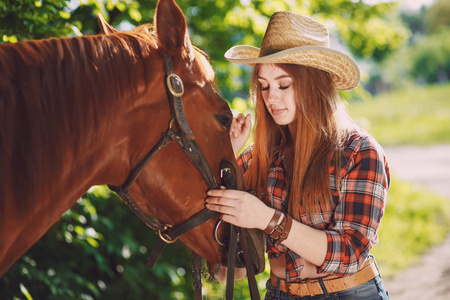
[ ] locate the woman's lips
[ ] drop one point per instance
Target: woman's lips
(278, 111)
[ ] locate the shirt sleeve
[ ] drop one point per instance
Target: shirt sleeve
(365, 180)
(244, 159)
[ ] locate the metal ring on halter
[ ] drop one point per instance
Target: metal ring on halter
(216, 236)
(175, 86)
(165, 237)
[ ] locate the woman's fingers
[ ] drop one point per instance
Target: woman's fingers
(232, 194)
(239, 208)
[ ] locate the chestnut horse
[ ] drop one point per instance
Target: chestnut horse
(78, 112)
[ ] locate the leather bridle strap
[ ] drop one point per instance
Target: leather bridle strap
(169, 235)
(253, 287)
(197, 274)
(122, 190)
(185, 140)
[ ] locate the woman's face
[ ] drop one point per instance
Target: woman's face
(278, 93)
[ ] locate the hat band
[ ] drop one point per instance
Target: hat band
(266, 52)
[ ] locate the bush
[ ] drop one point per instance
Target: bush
(98, 250)
(431, 59)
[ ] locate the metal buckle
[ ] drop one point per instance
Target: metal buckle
(164, 236)
(175, 85)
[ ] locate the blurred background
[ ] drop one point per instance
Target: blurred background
(98, 249)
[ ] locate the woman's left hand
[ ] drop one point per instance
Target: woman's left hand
(239, 208)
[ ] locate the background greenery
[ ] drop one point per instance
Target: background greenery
(98, 249)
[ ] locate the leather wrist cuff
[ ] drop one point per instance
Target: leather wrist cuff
(286, 230)
(278, 230)
(273, 222)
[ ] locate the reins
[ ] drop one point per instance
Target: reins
(168, 234)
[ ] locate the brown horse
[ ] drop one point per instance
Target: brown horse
(78, 112)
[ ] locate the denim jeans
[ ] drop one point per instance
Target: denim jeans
(371, 290)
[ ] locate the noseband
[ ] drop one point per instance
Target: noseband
(185, 139)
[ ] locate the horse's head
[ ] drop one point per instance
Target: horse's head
(170, 188)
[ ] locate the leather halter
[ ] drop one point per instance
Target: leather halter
(168, 233)
(185, 139)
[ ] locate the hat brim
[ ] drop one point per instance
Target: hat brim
(344, 69)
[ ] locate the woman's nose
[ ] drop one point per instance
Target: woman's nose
(273, 96)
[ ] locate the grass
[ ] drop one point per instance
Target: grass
(416, 116)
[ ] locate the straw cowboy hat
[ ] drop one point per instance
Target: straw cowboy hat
(295, 39)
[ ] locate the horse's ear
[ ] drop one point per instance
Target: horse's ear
(104, 26)
(171, 28)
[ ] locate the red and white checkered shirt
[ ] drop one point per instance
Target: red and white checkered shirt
(351, 226)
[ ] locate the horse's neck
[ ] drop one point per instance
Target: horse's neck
(85, 162)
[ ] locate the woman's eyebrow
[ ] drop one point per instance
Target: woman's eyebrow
(277, 78)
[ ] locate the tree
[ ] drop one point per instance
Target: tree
(437, 16)
(430, 59)
(30, 19)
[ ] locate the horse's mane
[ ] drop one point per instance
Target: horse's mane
(52, 92)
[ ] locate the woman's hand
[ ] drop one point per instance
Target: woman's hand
(239, 208)
(240, 131)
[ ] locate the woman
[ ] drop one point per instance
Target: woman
(322, 181)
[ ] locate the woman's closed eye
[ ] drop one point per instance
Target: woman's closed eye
(264, 88)
(281, 87)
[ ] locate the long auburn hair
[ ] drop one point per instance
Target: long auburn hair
(322, 128)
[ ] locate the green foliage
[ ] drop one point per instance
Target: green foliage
(386, 31)
(417, 115)
(98, 250)
(437, 16)
(414, 221)
(33, 19)
(424, 59)
(415, 21)
(430, 57)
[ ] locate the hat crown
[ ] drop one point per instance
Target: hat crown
(291, 38)
(290, 30)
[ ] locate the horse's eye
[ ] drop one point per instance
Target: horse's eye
(225, 120)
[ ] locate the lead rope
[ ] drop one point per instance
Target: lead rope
(197, 274)
(236, 233)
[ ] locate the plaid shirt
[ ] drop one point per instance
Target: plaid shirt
(351, 226)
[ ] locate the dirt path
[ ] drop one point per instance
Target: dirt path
(428, 167)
